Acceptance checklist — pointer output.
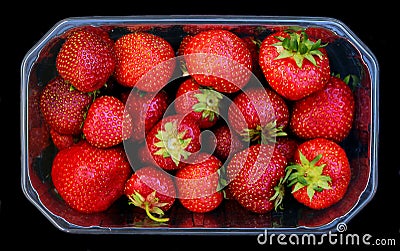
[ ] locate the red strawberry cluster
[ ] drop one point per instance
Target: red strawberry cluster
(244, 119)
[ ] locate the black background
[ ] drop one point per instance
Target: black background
(23, 226)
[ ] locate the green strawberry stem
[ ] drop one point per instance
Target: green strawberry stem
(150, 205)
(298, 47)
(263, 135)
(208, 103)
(172, 143)
(307, 174)
(278, 195)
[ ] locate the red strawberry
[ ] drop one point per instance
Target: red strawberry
(90, 179)
(287, 146)
(86, 60)
(223, 142)
(62, 141)
(146, 109)
(200, 103)
(193, 29)
(259, 115)
(321, 173)
(253, 44)
(151, 189)
(106, 122)
(326, 36)
(172, 140)
(182, 45)
(197, 184)
(218, 59)
(64, 108)
(327, 113)
(138, 53)
(293, 64)
(255, 177)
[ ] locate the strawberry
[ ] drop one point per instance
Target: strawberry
(106, 122)
(138, 53)
(287, 146)
(327, 113)
(223, 143)
(193, 29)
(321, 173)
(151, 189)
(258, 114)
(255, 177)
(90, 179)
(253, 44)
(86, 59)
(64, 108)
(172, 140)
(200, 103)
(326, 36)
(218, 59)
(62, 141)
(197, 184)
(146, 109)
(293, 64)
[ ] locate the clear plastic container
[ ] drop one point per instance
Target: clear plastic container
(348, 55)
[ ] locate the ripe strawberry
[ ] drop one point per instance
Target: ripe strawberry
(145, 109)
(197, 184)
(287, 146)
(90, 179)
(259, 115)
(86, 59)
(223, 143)
(326, 36)
(321, 173)
(64, 108)
(193, 29)
(293, 64)
(172, 140)
(151, 189)
(181, 49)
(255, 177)
(218, 59)
(62, 141)
(138, 53)
(106, 122)
(327, 113)
(200, 103)
(253, 44)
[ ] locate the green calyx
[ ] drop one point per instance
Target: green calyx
(263, 135)
(278, 195)
(208, 104)
(172, 143)
(150, 204)
(298, 47)
(307, 174)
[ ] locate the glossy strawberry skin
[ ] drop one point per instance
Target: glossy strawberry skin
(62, 141)
(184, 124)
(146, 109)
(228, 60)
(327, 113)
(137, 53)
(86, 60)
(197, 184)
(285, 77)
(255, 107)
(62, 108)
(337, 167)
(90, 179)
(147, 179)
(185, 103)
(106, 122)
(223, 141)
(253, 173)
